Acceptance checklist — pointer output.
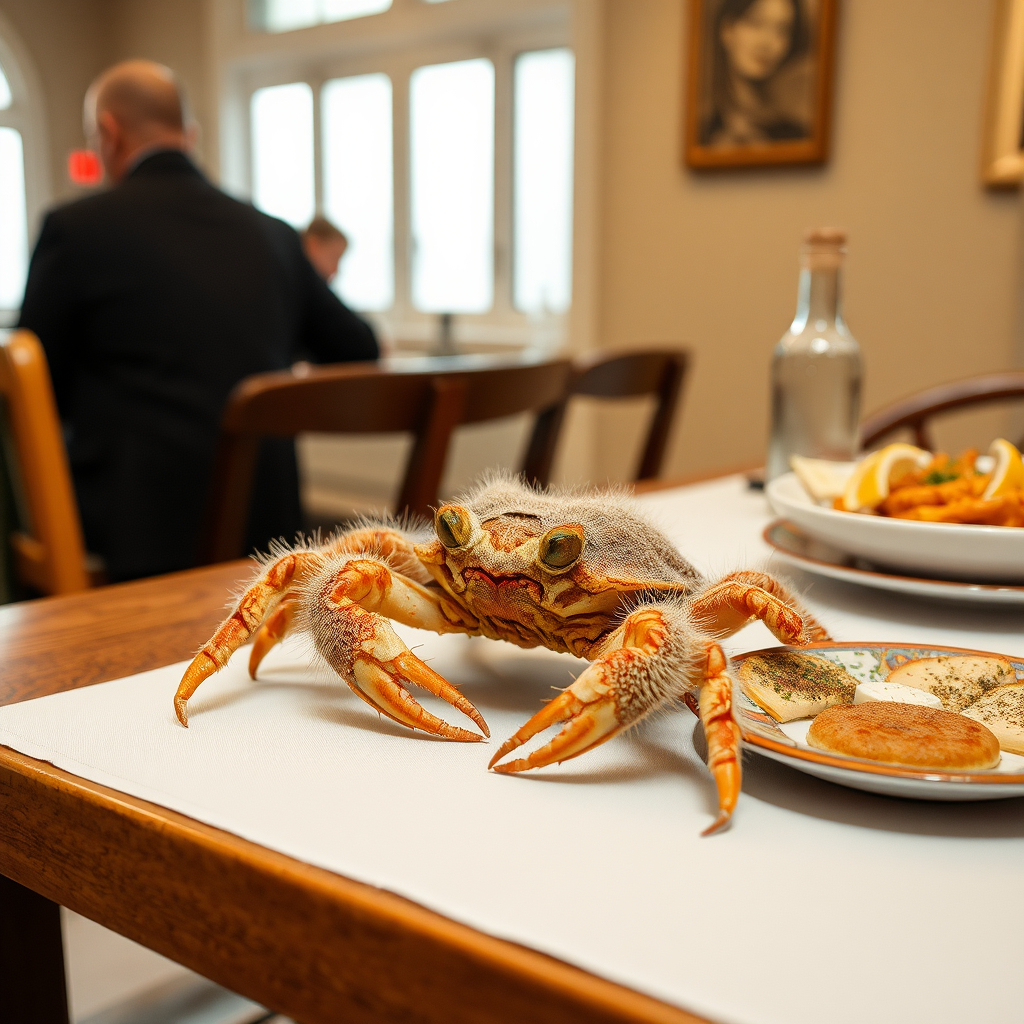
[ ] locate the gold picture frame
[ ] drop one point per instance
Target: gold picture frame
(752, 101)
(1002, 158)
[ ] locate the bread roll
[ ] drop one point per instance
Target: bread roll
(957, 679)
(905, 734)
(789, 684)
(1002, 711)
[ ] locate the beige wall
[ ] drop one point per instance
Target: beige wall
(711, 259)
(70, 41)
(168, 31)
(65, 41)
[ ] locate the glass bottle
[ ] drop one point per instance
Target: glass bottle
(816, 367)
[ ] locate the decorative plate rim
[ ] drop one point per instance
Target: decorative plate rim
(952, 584)
(857, 764)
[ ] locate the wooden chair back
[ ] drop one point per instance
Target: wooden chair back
(357, 398)
(918, 410)
(49, 550)
(541, 388)
(617, 375)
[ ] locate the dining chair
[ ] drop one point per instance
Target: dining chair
(357, 398)
(917, 411)
(499, 392)
(619, 375)
(47, 543)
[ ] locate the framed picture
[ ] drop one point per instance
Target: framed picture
(1002, 158)
(759, 82)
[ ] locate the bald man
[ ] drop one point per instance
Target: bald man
(152, 300)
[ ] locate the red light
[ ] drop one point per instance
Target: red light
(84, 167)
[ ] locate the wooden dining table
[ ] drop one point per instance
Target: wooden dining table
(300, 940)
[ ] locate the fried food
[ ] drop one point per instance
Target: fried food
(944, 490)
(905, 734)
(1002, 711)
(958, 680)
(789, 685)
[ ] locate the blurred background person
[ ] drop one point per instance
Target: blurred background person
(759, 74)
(153, 300)
(324, 245)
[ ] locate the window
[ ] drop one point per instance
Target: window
(359, 186)
(282, 152)
(285, 15)
(542, 204)
(442, 145)
(451, 113)
(13, 206)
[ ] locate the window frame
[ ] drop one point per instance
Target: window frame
(411, 34)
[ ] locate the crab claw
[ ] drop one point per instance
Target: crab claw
(382, 686)
(589, 707)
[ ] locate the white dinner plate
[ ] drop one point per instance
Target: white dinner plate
(796, 549)
(985, 554)
(786, 742)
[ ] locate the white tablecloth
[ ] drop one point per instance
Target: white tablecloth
(821, 904)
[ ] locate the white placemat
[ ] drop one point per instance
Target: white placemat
(821, 904)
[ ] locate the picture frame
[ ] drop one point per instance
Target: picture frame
(759, 83)
(1002, 156)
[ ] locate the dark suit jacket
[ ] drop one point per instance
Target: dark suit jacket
(152, 301)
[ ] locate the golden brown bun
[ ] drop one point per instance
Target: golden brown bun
(956, 679)
(905, 734)
(789, 685)
(1002, 711)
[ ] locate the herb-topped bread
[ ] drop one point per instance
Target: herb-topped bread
(790, 685)
(1002, 711)
(957, 680)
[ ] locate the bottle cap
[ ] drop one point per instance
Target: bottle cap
(823, 248)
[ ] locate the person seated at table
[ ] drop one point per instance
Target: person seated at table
(152, 300)
(324, 245)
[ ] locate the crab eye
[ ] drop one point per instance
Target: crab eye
(561, 547)
(453, 526)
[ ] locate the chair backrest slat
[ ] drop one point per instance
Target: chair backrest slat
(916, 411)
(617, 375)
(351, 399)
(51, 556)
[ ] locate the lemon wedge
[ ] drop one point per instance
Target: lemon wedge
(1008, 473)
(869, 485)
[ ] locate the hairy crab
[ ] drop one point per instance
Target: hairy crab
(576, 571)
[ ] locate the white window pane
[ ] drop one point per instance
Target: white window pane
(13, 227)
(5, 91)
(285, 15)
(544, 100)
(282, 152)
(358, 189)
(452, 166)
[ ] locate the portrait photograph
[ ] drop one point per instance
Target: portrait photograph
(759, 82)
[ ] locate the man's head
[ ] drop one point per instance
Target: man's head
(133, 107)
(324, 245)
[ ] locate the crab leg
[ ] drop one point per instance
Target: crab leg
(655, 656)
(722, 734)
(729, 605)
(383, 542)
(253, 606)
(602, 702)
(274, 630)
(349, 611)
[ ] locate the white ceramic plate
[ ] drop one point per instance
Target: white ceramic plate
(794, 548)
(786, 742)
(986, 554)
